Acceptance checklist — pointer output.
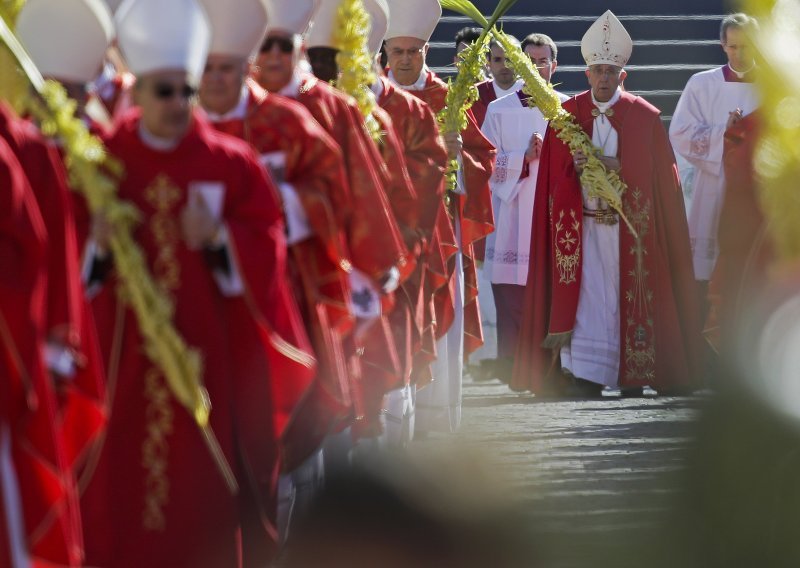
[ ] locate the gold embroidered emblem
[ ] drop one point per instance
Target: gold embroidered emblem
(640, 351)
(163, 195)
(155, 450)
(567, 247)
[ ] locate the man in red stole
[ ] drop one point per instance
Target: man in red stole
(39, 520)
(458, 314)
(212, 236)
(606, 307)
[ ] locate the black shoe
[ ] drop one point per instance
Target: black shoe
(633, 392)
(582, 388)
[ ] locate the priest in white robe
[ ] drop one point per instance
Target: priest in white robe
(712, 101)
(517, 129)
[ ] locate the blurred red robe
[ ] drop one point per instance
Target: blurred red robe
(283, 130)
(28, 407)
(82, 411)
(157, 498)
(426, 161)
(660, 341)
(475, 211)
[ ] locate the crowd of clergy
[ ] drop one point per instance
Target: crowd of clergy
(322, 264)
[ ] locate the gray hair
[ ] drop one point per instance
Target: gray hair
(739, 20)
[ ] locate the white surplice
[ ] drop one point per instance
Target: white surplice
(593, 353)
(510, 126)
(697, 133)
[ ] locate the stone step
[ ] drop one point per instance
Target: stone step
(592, 7)
(570, 27)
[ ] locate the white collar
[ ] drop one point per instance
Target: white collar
(292, 88)
(418, 85)
(236, 113)
(500, 93)
(603, 107)
(743, 73)
(154, 142)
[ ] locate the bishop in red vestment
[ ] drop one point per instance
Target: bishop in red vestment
(212, 235)
(300, 153)
(38, 490)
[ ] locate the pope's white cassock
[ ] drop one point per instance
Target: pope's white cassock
(593, 352)
(697, 133)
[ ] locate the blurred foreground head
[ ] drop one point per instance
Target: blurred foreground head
(394, 513)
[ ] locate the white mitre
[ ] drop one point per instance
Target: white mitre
(237, 26)
(292, 16)
(413, 18)
(324, 24)
(378, 11)
(164, 36)
(607, 42)
(67, 39)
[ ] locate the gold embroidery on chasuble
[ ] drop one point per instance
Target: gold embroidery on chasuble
(155, 450)
(640, 350)
(567, 244)
(163, 195)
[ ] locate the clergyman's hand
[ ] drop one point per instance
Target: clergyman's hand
(198, 223)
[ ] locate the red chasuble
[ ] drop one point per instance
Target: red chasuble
(157, 498)
(474, 209)
(374, 239)
(28, 407)
(312, 164)
(658, 302)
(426, 160)
(82, 412)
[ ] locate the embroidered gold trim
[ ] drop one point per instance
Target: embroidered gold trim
(568, 247)
(640, 351)
(163, 195)
(155, 451)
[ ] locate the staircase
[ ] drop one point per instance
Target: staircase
(672, 41)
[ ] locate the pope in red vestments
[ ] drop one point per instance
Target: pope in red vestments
(33, 469)
(659, 331)
(168, 504)
(300, 153)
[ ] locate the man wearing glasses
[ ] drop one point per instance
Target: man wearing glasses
(604, 305)
(211, 231)
(411, 25)
(517, 128)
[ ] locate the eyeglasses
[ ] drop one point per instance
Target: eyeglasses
(166, 91)
(285, 45)
(397, 52)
